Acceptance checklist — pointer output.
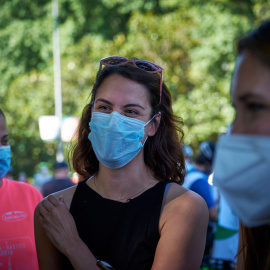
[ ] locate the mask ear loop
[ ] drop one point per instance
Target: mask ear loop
(150, 120)
(147, 124)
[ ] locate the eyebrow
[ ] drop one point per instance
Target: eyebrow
(250, 95)
(104, 100)
(125, 106)
(134, 105)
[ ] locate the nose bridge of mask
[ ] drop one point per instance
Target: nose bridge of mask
(5, 147)
(5, 150)
(116, 115)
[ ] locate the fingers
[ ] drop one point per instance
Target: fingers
(46, 212)
(42, 212)
(47, 205)
(55, 201)
(51, 202)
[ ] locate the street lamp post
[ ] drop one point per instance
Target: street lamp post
(57, 78)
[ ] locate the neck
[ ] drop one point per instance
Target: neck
(125, 182)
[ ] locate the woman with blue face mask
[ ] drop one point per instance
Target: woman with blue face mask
(130, 211)
(242, 165)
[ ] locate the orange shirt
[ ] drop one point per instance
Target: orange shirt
(17, 242)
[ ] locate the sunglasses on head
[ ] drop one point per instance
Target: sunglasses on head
(141, 64)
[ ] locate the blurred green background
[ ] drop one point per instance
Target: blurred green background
(194, 41)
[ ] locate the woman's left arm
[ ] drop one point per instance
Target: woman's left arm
(183, 226)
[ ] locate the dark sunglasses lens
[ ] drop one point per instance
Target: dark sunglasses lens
(114, 60)
(146, 66)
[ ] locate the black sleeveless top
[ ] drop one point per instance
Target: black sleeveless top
(125, 235)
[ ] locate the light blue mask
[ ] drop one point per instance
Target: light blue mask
(116, 139)
(5, 158)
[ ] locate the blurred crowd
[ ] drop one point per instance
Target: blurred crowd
(223, 227)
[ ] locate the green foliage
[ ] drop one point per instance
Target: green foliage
(192, 40)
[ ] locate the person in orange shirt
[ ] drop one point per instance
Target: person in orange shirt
(18, 201)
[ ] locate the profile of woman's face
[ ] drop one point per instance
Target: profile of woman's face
(251, 96)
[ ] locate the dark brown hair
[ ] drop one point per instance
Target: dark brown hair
(255, 249)
(257, 42)
(163, 152)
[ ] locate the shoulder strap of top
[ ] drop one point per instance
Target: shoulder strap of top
(166, 188)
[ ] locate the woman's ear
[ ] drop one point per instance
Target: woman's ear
(153, 125)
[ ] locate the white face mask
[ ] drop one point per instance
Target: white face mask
(242, 174)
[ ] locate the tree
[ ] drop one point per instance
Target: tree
(192, 40)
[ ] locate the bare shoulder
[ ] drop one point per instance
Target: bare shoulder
(66, 193)
(182, 202)
(182, 226)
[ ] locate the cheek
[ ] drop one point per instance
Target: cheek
(262, 127)
(251, 126)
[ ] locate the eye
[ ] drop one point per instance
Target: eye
(131, 113)
(103, 108)
(255, 106)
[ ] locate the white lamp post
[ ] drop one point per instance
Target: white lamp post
(57, 78)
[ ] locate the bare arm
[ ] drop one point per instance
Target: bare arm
(55, 232)
(183, 226)
(48, 255)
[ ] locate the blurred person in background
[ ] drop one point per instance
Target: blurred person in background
(17, 204)
(60, 181)
(224, 251)
(130, 210)
(42, 176)
(188, 152)
(22, 177)
(197, 181)
(242, 165)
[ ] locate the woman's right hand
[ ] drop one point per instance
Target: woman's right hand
(55, 233)
(58, 223)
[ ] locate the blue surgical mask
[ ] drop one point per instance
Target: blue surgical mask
(5, 158)
(116, 139)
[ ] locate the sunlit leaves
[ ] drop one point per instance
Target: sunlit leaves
(194, 41)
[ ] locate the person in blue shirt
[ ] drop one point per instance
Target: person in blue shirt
(197, 181)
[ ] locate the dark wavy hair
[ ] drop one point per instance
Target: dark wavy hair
(255, 246)
(163, 153)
